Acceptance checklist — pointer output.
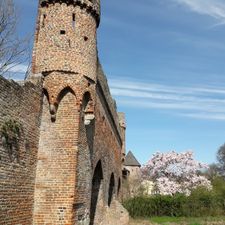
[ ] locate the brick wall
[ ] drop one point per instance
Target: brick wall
(107, 149)
(20, 103)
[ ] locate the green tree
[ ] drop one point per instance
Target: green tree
(212, 172)
(221, 160)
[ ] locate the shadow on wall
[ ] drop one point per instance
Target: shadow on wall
(88, 118)
(111, 189)
(97, 191)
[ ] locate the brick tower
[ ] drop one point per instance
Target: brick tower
(65, 54)
(66, 37)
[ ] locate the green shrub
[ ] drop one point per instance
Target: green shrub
(200, 203)
(157, 205)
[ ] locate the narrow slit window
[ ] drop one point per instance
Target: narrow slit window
(62, 32)
(73, 21)
(43, 20)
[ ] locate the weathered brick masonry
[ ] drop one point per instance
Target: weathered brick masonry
(77, 138)
(22, 103)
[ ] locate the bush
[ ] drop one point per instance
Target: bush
(157, 205)
(201, 202)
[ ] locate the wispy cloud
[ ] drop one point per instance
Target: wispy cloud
(16, 71)
(213, 8)
(20, 68)
(207, 116)
(207, 102)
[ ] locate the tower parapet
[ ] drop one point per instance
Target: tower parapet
(92, 6)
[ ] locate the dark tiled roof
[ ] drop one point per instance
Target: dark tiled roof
(130, 160)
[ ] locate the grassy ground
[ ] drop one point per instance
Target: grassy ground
(179, 221)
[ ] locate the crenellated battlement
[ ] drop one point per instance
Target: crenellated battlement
(92, 6)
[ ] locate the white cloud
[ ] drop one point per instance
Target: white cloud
(165, 96)
(20, 68)
(205, 116)
(195, 102)
(143, 86)
(213, 8)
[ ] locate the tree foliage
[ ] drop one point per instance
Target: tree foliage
(221, 159)
(200, 203)
(13, 50)
(175, 173)
(212, 172)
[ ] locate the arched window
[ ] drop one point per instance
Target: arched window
(44, 16)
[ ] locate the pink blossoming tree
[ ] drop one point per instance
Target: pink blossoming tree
(175, 173)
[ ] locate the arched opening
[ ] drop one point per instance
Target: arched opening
(96, 195)
(111, 189)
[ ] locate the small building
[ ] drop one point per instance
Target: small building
(132, 175)
(132, 165)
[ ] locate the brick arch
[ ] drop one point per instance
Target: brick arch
(96, 194)
(63, 93)
(54, 102)
(111, 190)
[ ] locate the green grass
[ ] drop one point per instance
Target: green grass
(188, 221)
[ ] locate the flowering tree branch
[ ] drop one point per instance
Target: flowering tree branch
(175, 173)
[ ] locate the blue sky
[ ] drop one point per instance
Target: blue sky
(165, 64)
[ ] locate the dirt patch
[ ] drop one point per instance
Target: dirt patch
(145, 222)
(140, 222)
